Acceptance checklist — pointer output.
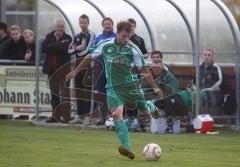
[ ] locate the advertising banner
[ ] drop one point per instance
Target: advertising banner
(18, 91)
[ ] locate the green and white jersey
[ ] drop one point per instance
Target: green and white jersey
(119, 61)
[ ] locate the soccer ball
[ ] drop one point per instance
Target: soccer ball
(109, 123)
(152, 152)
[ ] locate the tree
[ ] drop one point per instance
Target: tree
(234, 6)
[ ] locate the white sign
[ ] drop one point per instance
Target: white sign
(17, 90)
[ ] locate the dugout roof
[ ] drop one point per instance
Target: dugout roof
(167, 25)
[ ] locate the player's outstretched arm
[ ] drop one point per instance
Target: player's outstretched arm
(83, 64)
(149, 79)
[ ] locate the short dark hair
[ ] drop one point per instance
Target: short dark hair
(107, 18)
(3, 26)
(124, 26)
(157, 52)
(84, 16)
(132, 21)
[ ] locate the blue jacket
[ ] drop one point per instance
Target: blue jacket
(103, 36)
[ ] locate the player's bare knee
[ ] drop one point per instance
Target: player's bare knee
(115, 116)
(117, 113)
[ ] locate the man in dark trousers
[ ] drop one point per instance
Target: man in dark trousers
(108, 33)
(139, 42)
(211, 79)
(80, 48)
(55, 45)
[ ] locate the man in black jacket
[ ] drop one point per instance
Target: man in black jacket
(16, 47)
(211, 79)
(55, 45)
(136, 39)
(29, 38)
(139, 41)
(4, 38)
(80, 48)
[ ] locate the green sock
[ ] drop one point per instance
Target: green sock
(122, 133)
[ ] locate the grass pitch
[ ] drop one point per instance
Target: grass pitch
(25, 145)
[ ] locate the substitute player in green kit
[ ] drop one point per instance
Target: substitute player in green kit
(120, 57)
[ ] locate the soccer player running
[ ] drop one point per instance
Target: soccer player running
(120, 56)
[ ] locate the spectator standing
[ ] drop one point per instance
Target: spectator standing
(80, 48)
(16, 47)
(107, 24)
(108, 33)
(136, 39)
(133, 114)
(4, 38)
(55, 45)
(29, 38)
(211, 79)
